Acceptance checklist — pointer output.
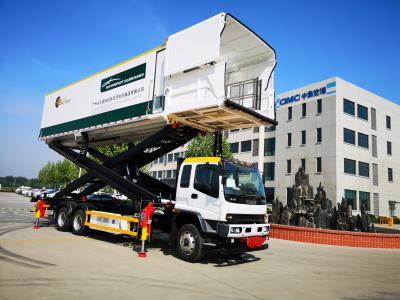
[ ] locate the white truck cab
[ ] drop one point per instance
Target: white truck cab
(227, 199)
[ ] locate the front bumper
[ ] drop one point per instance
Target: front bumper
(242, 230)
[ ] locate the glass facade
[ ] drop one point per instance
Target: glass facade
(303, 137)
(364, 200)
(304, 110)
(288, 166)
(348, 107)
(319, 135)
(269, 171)
(388, 123)
(362, 112)
(390, 174)
(234, 147)
(349, 136)
(350, 166)
(269, 147)
(319, 164)
(245, 146)
(363, 140)
(319, 106)
(363, 169)
(269, 194)
(389, 148)
(351, 198)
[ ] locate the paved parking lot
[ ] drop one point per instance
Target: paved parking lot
(47, 264)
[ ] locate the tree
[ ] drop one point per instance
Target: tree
(204, 146)
(58, 174)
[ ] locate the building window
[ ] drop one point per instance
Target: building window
(389, 148)
(289, 115)
(289, 139)
(154, 174)
(364, 200)
(319, 164)
(159, 174)
(234, 130)
(303, 110)
(256, 129)
(363, 169)
(348, 107)
(176, 156)
(269, 195)
(288, 166)
(170, 157)
(303, 137)
(270, 128)
(245, 146)
(173, 173)
(349, 166)
(303, 164)
(390, 174)
(374, 146)
(388, 123)
(319, 106)
(319, 135)
(392, 208)
(269, 147)
(161, 159)
(351, 198)
(288, 194)
(349, 136)
(362, 112)
(269, 171)
(234, 147)
(363, 140)
(169, 173)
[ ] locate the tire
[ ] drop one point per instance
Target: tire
(189, 243)
(78, 222)
(63, 222)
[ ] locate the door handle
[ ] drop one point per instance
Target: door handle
(194, 196)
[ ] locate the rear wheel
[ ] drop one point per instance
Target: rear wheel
(189, 243)
(78, 223)
(63, 222)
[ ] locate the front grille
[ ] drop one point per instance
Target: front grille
(245, 219)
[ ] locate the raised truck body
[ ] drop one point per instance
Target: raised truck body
(216, 75)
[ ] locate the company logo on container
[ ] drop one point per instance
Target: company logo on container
(328, 89)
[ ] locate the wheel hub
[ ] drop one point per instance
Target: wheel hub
(187, 243)
(78, 221)
(62, 217)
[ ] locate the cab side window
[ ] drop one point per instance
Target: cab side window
(206, 179)
(185, 177)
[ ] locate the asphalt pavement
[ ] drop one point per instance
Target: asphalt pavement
(48, 264)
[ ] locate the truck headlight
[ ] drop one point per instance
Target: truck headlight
(236, 230)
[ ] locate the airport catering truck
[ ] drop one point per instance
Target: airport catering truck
(214, 76)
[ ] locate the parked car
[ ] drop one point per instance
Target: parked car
(19, 190)
(25, 191)
(49, 193)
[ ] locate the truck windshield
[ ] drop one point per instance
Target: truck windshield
(243, 185)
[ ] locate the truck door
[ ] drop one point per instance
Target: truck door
(204, 196)
(184, 189)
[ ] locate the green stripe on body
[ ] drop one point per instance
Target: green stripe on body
(99, 119)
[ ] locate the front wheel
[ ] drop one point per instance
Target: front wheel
(78, 223)
(189, 243)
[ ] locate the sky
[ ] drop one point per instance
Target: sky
(45, 45)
